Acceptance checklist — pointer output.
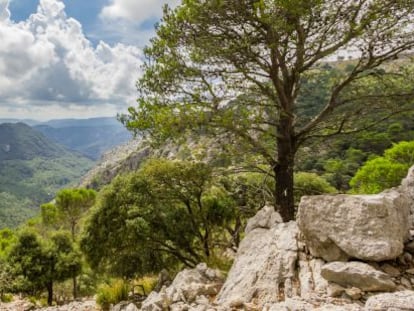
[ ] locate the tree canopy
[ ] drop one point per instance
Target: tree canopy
(167, 212)
(37, 263)
(384, 172)
(255, 70)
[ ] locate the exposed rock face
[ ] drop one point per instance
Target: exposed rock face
(407, 187)
(266, 218)
(367, 227)
(188, 287)
(399, 301)
(357, 274)
(264, 267)
(73, 306)
(125, 306)
(297, 304)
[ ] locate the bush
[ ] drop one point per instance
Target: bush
(6, 298)
(384, 172)
(112, 293)
(145, 285)
(310, 184)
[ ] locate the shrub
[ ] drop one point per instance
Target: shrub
(6, 298)
(112, 293)
(310, 184)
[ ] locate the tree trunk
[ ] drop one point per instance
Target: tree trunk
(283, 170)
(49, 293)
(75, 288)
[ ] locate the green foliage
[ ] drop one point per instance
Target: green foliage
(254, 72)
(6, 298)
(384, 172)
(145, 285)
(311, 184)
(36, 264)
(112, 293)
(71, 204)
(7, 240)
(167, 212)
(25, 184)
(14, 210)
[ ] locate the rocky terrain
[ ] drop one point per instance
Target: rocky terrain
(344, 252)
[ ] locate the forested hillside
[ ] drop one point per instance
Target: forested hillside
(32, 169)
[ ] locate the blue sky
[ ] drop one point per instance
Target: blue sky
(72, 58)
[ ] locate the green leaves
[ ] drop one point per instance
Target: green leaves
(384, 172)
(35, 263)
(165, 213)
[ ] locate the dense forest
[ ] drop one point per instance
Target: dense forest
(241, 108)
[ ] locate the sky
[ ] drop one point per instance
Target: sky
(73, 58)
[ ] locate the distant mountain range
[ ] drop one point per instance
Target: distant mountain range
(91, 137)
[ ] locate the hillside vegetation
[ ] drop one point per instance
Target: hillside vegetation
(32, 169)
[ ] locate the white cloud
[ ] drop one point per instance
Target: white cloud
(4, 10)
(136, 10)
(48, 65)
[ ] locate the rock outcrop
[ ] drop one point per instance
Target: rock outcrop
(359, 275)
(366, 227)
(266, 218)
(190, 288)
(399, 301)
(264, 268)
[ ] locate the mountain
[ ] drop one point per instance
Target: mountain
(25, 121)
(32, 169)
(91, 137)
(20, 142)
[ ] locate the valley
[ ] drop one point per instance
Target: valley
(35, 162)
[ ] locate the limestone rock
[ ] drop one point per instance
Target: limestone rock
(367, 227)
(407, 185)
(156, 301)
(357, 274)
(297, 304)
(354, 293)
(409, 247)
(398, 301)
(265, 260)
(125, 306)
(187, 287)
(391, 270)
(335, 290)
(266, 218)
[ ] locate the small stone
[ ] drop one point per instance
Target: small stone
(236, 303)
(405, 282)
(409, 247)
(354, 293)
(335, 290)
(410, 271)
(202, 300)
(405, 259)
(392, 271)
(250, 307)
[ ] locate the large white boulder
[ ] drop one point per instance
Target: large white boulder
(264, 267)
(357, 274)
(366, 227)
